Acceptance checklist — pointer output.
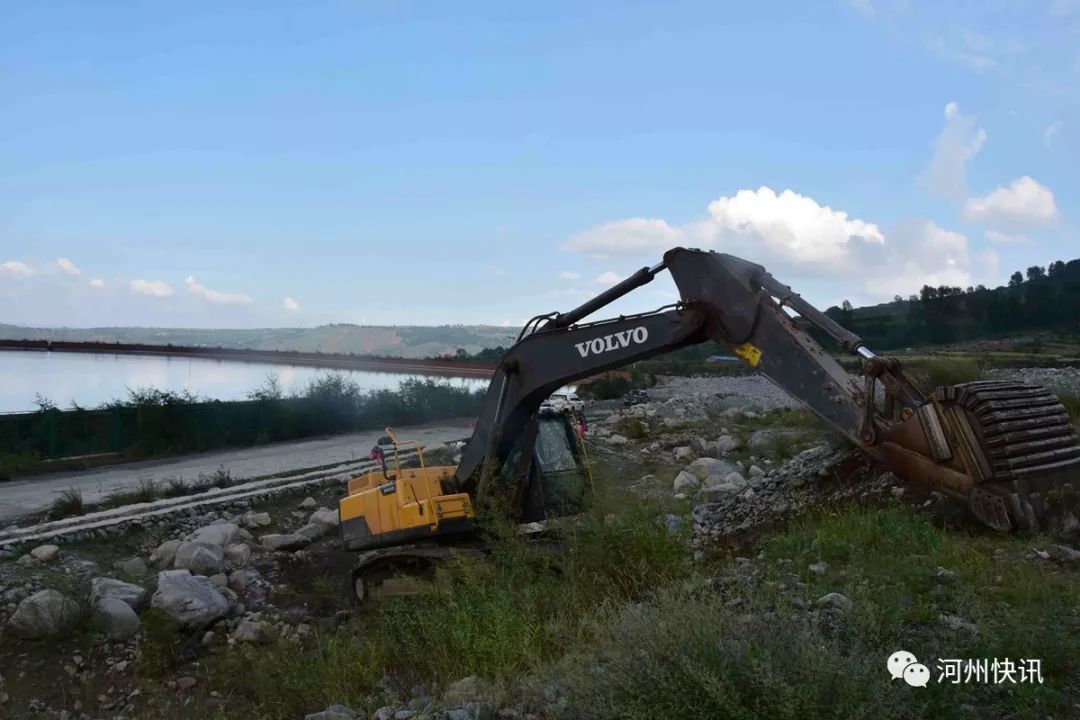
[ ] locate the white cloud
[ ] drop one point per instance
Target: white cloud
(1051, 132)
(569, 276)
(920, 253)
(68, 267)
(15, 267)
(290, 305)
(214, 296)
(1000, 238)
(789, 226)
(97, 283)
(154, 288)
(796, 237)
(958, 142)
(607, 278)
(1024, 203)
(621, 237)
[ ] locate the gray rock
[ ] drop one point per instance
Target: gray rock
(313, 531)
(725, 443)
(199, 557)
(220, 534)
(755, 471)
(835, 601)
(46, 613)
(1070, 528)
(250, 631)
(684, 481)
(238, 555)
(386, 712)
(459, 691)
(220, 580)
(716, 493)
(240, 580)
(706, 466)
(133, 566)
(459, 714)
(1062, 553)
(767, 441)
(115, 618)
(617, 440)
(683, 454)
(164, 555)
(325, 516)
(735, 478)
(44, 553)
(956, 623)
(103, 588)
(256, 520)
(404, 714)
(189, 599)
(308, 503)
(818, 568)
(674, 524)
(334, 712)
(291, 541)
(944, 577)
(186, 683)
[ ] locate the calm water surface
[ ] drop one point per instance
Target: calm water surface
(91, 379)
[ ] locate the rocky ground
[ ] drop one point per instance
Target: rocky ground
(132, 623)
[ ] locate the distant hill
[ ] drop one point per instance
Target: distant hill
(408, 341)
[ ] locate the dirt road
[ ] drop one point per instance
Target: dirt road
(32, 494)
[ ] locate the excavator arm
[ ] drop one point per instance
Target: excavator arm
(1001, 447)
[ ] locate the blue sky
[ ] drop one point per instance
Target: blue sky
(259, 164)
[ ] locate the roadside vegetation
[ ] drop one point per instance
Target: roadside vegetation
(151, 422)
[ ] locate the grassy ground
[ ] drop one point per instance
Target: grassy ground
(623, 623)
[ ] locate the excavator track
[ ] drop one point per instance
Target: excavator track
(1023, 448)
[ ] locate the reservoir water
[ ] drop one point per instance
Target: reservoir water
(91, 379)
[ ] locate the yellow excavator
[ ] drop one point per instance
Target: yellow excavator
(1002, 448)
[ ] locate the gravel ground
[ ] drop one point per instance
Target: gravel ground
(1060, 380)
(749, 391)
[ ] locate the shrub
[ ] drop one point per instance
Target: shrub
(68, 504)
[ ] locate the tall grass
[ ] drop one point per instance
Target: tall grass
(938, 371)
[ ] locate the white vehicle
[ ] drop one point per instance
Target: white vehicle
(567, 400)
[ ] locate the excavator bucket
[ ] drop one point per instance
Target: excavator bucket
(1005, 448)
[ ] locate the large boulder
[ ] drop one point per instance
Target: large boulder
(767, 442)
(115, 618)
(164, 555)
(200, 558)
(725, 443)
(46, 613)
(44, 553)
(220, 534)
(313, 531)
(253, 520)
(325, 516)
(706, 466)
(685, 481)
(290, 541)
(238, 555)
(191, 600)
(103, 588)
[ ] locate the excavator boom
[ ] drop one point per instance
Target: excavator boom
(1000, 447)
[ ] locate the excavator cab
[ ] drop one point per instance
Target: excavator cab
(555, 480)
